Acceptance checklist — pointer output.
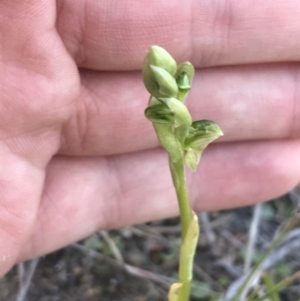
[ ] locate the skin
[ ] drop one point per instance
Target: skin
(77, 154)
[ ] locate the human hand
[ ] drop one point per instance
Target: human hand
(77, 153)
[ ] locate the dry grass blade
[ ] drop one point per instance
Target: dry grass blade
(137, 272)
(280, 286)
(114, 249)
(207, 229)
(250, 279)
(25, 277)
(252, 236)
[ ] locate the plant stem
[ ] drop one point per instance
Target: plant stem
(179, 181)
(186, 262)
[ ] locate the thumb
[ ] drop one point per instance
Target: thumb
(21, 186)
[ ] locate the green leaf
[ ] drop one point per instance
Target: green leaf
(188, 249)
(93, 244)
(173, 292)
(200, 290)
(268, 281)
(283, 270)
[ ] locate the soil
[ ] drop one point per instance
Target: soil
(88, 270)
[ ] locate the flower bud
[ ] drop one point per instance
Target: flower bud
(184, 77)
(201, 133)
(183, 119)
(160, 113)
(186, 68)
(160, 83)
(166, 83)
(159, 57)
(183, 82)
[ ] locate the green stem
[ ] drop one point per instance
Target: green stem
(179, 181)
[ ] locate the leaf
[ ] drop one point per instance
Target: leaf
(188, 249)
(200, 290)
(173, 292)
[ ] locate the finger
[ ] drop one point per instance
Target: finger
(249, 103)
(114, 35)
(85, 195)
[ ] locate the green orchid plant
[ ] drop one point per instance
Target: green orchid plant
(183, 139)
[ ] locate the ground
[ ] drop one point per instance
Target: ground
(89, 270)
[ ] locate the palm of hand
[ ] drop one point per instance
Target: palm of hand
(61, 130)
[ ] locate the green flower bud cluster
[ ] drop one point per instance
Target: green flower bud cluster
(169, 84)
(162, 76)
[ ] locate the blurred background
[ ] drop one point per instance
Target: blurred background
(139, 263)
